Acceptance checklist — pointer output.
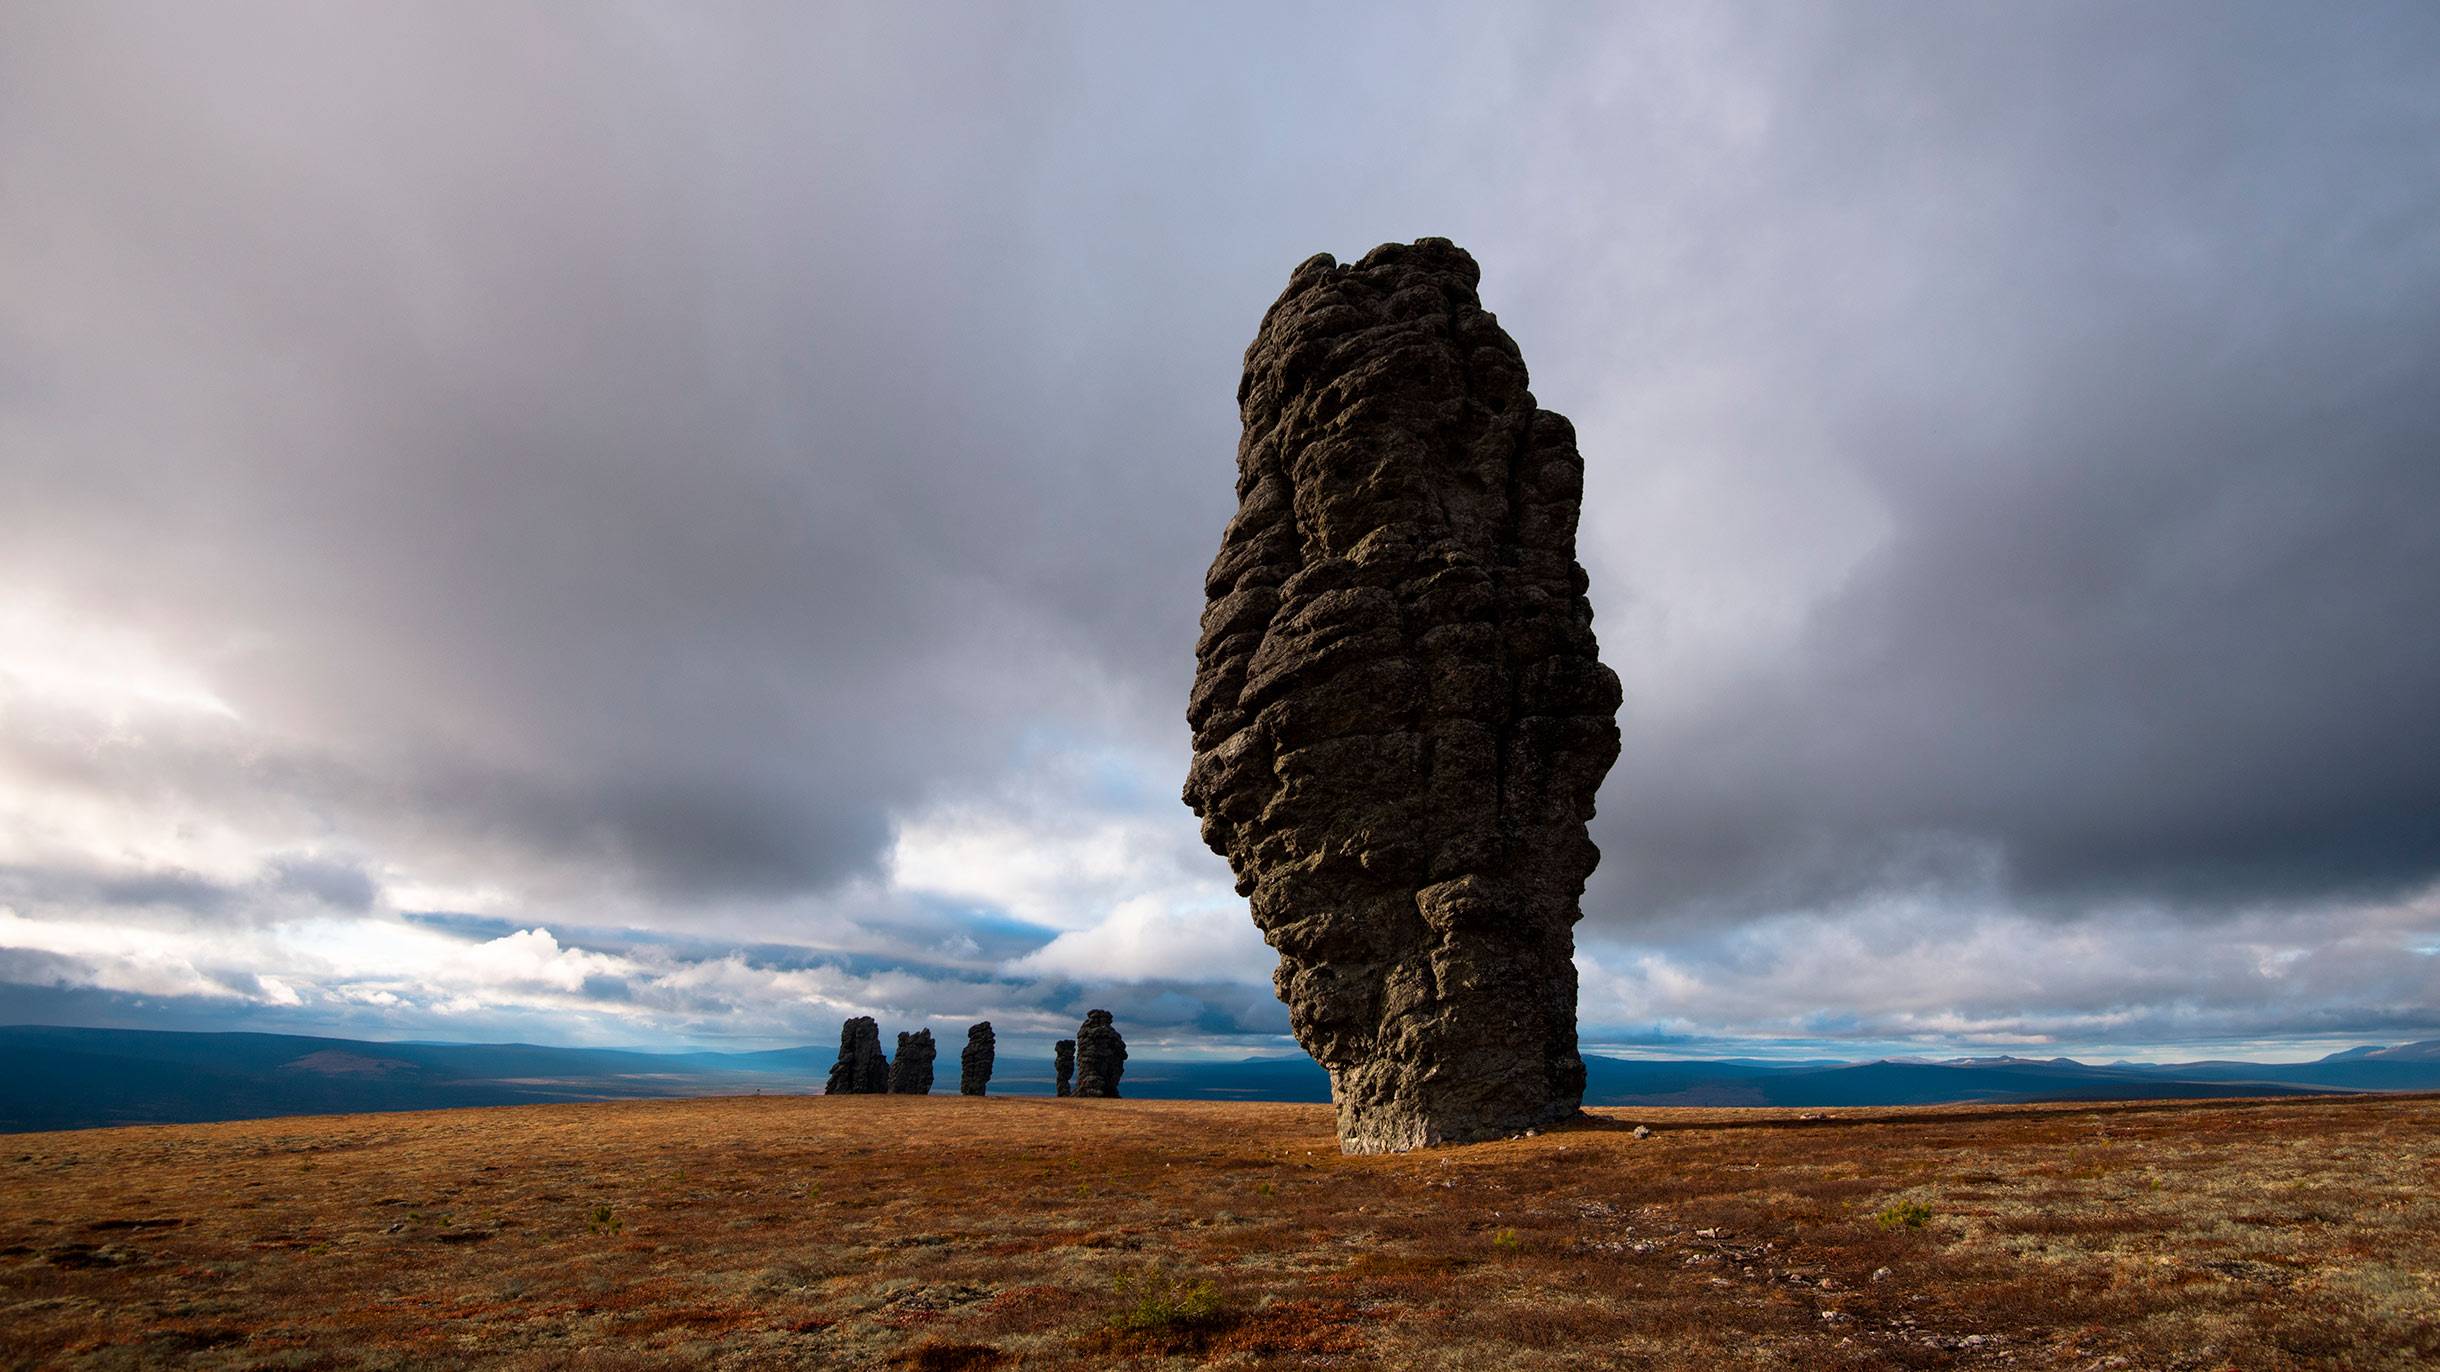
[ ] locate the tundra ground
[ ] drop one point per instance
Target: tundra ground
(946, 1232)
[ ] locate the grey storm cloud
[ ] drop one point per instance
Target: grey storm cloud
(654, 451)
(2136, 387)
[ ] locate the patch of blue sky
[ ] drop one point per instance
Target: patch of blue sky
(1104, 777)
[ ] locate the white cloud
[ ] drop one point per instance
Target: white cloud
(530, 957)
(1043, 851)
(1928, 973)
(1072, 845)
(50, 656)
(1149, 940)
(118, 957)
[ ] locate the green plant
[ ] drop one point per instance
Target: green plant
(1506, 1240)
(604, 1222)
(1904, 1215)
(1158, 1302)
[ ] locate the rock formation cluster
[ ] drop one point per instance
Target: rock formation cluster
(1101, 1056)
(974, 1064)
(911, 1074)
(1088, 1065)
(860, 1070)
(1400, 718)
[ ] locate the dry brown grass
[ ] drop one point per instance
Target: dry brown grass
(950, 1233)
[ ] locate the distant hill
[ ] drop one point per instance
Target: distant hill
(63, 1078)
(2404, 1067)
(68, 1078)
(1902, 1083)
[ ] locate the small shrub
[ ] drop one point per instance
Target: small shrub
(604, 1222)
(1506, 1241)
(1161, 1305)
(1904, 1215)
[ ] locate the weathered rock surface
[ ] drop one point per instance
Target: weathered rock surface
(860, 1070)
(1399, 716)
(1101, 1056)
(911, 1074)
(1063, 1058)
(974, 1064)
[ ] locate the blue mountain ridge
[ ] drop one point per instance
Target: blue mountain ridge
(61, 1077)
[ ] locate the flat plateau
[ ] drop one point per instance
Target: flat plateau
(948, 1232)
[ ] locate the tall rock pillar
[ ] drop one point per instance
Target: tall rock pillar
(911, 1074)
(974, 1064)
(1400, 718)
(1101, 1056)
(860, 1070)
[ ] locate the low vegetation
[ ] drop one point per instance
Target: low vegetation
(952, 1232)
(1904, 1215)
(1166, 1310)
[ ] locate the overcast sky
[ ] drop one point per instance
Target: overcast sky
(680, 524)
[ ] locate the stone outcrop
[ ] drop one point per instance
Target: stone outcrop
(911, 1074)
(974, 1064)
(1063, 1060)
(860, 1070)
(1399, 716)
(1101, 1056)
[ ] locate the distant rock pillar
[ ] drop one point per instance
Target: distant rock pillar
(1063, 1057)
(1101, 1056)
(974, 1064)
(860, 1070)
(911, 1075)
(1400, 717)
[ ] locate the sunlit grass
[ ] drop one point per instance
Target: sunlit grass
(955, 1232)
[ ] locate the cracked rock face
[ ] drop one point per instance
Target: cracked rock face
(1399, 715)
(1101, 1056)
(1063, 1059)
(911, 1074)
(860, 1070)
(974, 1064)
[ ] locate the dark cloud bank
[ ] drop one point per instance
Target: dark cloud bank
(637, 465)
